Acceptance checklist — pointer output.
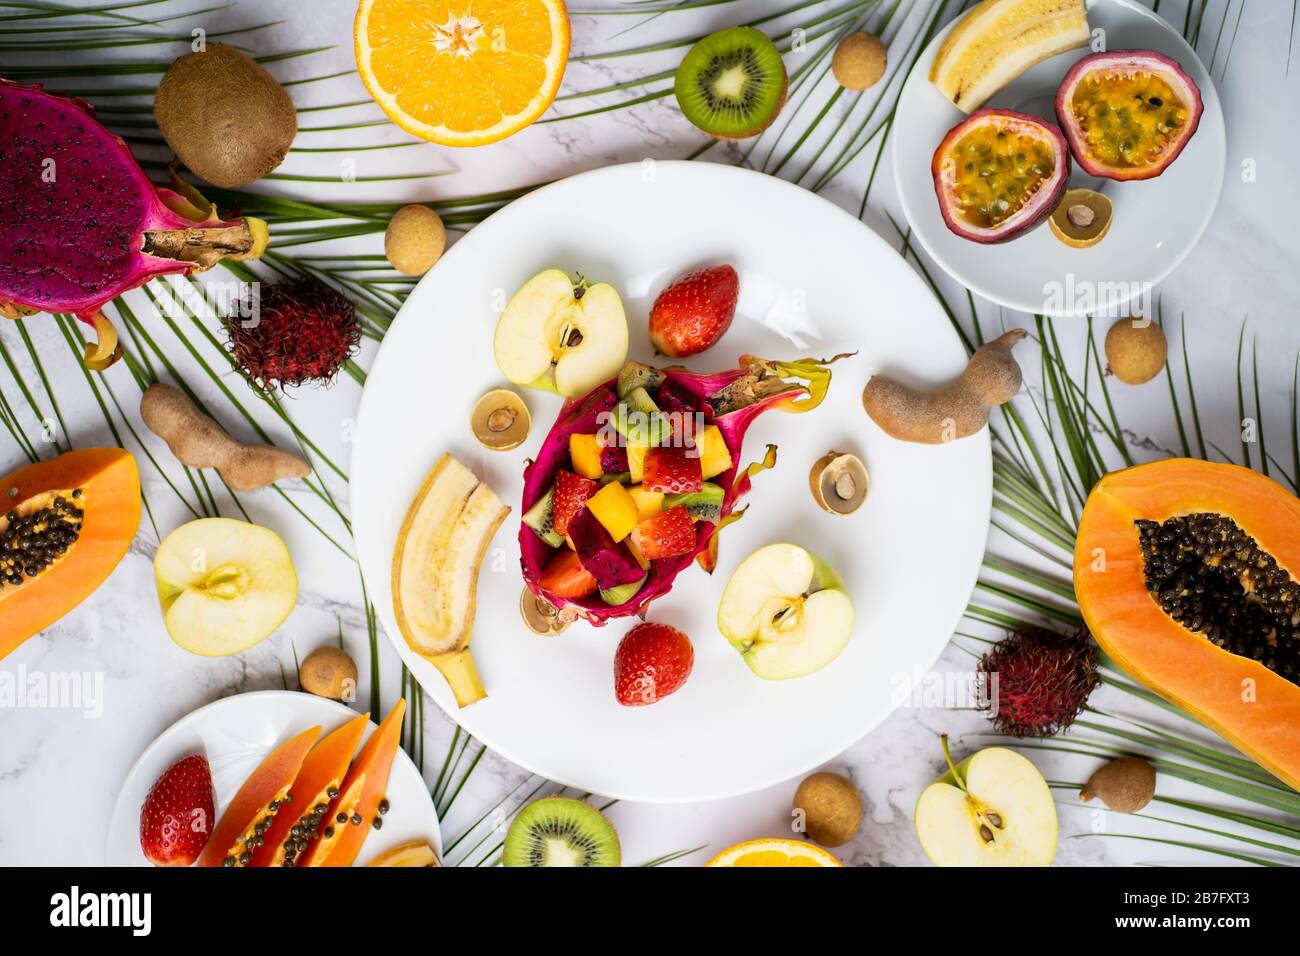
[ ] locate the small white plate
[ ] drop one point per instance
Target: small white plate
(814, 281)
(235, 734)
(1156, 222)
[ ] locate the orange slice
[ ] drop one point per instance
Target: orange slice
(774, 852)
(462, 72)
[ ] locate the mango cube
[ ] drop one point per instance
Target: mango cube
(615, 508)
(584, 454)
(715, 457)
(648, 503)
(636, 461)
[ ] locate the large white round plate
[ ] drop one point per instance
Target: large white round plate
(1156, 222)
(814, 282)
(235, 734)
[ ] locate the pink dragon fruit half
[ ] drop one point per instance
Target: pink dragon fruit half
(81, 223)
(731, 400)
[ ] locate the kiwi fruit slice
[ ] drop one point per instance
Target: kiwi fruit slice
(541, 518)
(732, 83)
(635, 375)
(647, 426)
(703, 505)
(559, 831)
(622, 593)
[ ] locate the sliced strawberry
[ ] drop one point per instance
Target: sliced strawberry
(672, 469)
(666, 535)
(652, 661)
(565, 577)
(178, 814)
(571, 493)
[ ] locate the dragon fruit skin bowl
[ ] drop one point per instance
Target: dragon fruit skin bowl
(723, 405)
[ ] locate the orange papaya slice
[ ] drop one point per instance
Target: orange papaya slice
(359, 797)
(343, 816)
(255, 806)
(317, 783)
(65, 524)
(1188, 575)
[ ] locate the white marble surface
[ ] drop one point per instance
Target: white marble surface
(60, 769)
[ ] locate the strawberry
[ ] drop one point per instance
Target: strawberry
(565, 577)
(666, 535)
(672, 469)
(652, 661)
(571, 494)
(693, 312)
(178, 814)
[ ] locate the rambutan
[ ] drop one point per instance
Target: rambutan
(293, 332)
(1039, 680)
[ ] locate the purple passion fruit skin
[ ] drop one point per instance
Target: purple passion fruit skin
(1128, 114)
(998, 174)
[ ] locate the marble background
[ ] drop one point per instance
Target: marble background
(61, 770)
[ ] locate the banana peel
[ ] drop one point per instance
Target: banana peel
(436, 561)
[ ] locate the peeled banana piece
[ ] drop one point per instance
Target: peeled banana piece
(436, 562)
(997, 40)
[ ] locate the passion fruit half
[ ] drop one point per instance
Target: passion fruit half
(1128, 113)
(999, 173)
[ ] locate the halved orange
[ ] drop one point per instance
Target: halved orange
(774, 852)
(462, 72)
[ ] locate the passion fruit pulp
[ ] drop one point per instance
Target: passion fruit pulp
(999, 173)
(1128, 113)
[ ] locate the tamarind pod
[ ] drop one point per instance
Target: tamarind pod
(956, 410)
(198, 441)
(256, 466)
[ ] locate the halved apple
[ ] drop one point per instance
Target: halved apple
(224, 585)
(560, 335)
(786, 612)
(992, 809)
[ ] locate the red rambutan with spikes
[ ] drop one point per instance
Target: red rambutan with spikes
(1043, 680)
(293, 332)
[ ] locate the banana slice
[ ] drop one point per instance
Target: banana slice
(436, 561)
(998, 40)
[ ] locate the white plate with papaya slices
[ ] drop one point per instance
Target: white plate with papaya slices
(1155, 222)
(235, 734)
(814, 282)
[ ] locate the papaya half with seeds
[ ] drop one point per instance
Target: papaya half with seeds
(254, 808)
(65, 524)
(1188, 575)
(359, 797)
(315, 786)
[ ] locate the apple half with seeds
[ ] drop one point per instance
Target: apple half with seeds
(561, 335)
(224, 585)
(786, 612)
(992, 809)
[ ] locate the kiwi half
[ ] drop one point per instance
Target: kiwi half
(558, 831)
(732, 83)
